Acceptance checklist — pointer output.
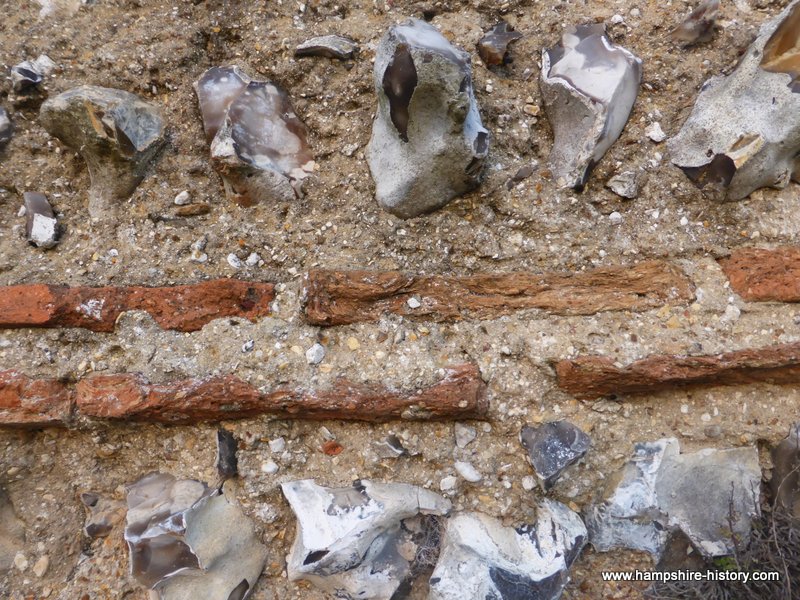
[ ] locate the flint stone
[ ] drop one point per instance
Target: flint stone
(41, 227)
(28, 74)
(359, 542)
(227, 461)
(258, 143)
(467, 471)
(660, 492)
(6, 128)
(390, 447)
(493, 46)
(744, 130)
(428, 144)
(698, 27)
(552, 447)
(465, 434)
(117, 133)
(785, 482)
(102, 514)
(188, 541)
(626, 517)
(625, 184)
(480, 558)
(328, 46)
(588, 86)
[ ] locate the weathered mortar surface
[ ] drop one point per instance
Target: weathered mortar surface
(139, 44)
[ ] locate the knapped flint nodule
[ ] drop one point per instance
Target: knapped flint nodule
(258, 144)
(744, 130)
(117, 133)
(589, 86)
(189, 541)
(428, 144)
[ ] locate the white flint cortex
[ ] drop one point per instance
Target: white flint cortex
(258, 144)
(428, 144)
(480, 558)
(660, 493)
(744, 130)
(362, 542)
(589, 86)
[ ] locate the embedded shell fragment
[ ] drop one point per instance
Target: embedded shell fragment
(589, 86)
(360, 542)
(480, 558)
(258, 144)
(428, 144)
(189, 541)
(744, 130)
(117, 133)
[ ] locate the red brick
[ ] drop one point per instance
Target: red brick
(32, 403)
(342, 297)
(460, 394)
(760, 275)
(182, 307)
(592, 377)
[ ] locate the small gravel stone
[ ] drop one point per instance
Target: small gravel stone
(467, 471)
(732, 313)
(464, 434)
(624, 184)
(197, 248)
(315, 354)
(353, 343)
(448, 483)
(528, 483)
(390, 447)
(269, 467)
(615, 218)
(234, 261)
(183, 198)
(413, 302)
(252, 259)
(277, 445)
(655, 133)
(21, 562)
(41, 565)
(248, 346)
